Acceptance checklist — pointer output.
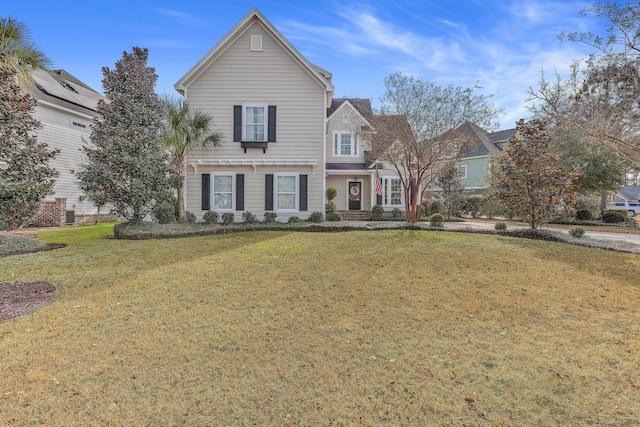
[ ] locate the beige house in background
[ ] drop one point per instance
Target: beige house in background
(66, 108)
(285, 139)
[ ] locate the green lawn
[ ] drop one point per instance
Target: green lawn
(292, 328)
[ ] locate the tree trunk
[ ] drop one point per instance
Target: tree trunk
(603, 202)
(97, 216)
(181, 212)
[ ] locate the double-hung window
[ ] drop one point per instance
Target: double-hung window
(223, 192)
(255, 123)
(345, 144)
(286, 189)
(392, 192)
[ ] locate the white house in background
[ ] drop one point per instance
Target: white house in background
(66, 108)
(285, 139)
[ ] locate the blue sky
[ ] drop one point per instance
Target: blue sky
(501, 44)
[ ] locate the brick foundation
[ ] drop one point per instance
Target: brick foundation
(51, 213)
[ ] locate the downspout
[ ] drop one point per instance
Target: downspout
(324, 152)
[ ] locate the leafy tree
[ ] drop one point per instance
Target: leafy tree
(186, 129)
(453, 194)
(19, 52)
(125, 161)
(526, 179)
(25, 175)
(433, 137)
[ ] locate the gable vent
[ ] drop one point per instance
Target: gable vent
(256, 43)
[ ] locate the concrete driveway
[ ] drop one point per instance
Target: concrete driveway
(601, 235)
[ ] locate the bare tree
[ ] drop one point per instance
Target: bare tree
(430, 136)
(602, 101)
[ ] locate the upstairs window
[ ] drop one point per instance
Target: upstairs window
(345, 144)
(254, 123)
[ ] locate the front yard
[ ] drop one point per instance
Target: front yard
(291, 328)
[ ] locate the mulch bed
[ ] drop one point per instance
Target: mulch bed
(20, 298)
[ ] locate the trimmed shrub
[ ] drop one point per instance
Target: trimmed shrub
(331, 193)
(316, 217)
(227, 218)
(333, 216)
(576, 231)
(210, 217)
(584, 215)
(294, 220)
(190, 217)
(164, 212)
(270, 217)
(436, 220)
(249, 218)
(613, 216)
(396, 213)
(377, 212)
(500, 226)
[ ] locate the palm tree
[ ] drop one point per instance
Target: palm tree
(18, 51)
(186, 129)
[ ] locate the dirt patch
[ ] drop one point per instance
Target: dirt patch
(20, 298)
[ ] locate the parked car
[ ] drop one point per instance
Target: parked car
(632, 207)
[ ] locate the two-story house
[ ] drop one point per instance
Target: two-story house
(285, 139)
(66, 108)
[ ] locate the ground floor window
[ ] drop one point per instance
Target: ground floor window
(223, 192)
(392, 191)
(286, 192)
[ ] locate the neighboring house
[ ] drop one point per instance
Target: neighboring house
(66, 108)
(474, 162)
(285, 139)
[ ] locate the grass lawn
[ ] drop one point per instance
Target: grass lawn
(313, 329)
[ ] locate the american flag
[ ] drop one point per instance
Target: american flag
(378, 184)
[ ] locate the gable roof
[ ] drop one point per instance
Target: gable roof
(61, 88)
(630, 192)
(323, 77)
(362, 106)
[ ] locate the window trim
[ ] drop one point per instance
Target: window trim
(233, 191)
(337, 144)
(386, 191)
(265, 122)
(464, 170)
(276, 177)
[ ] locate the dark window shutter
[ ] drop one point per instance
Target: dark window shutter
(240, 192)
(268, 193)
(206, 191)
(271, 121)
(303, 192)
(237, 123)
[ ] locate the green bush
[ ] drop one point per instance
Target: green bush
(164, 212)
(331, 193)
(576, 231)
(584, 215)
(491, 208)
(294, 220)
(190, 217)
(316, 217)
(473, 206)
(396, 213)
(210, 217)
(17, 244)
(436, 220)
(500, 226)
(431, 207)
(333, 216)
(377, 212)
(228, 218)
(249, 218)
(270, 217)
(614, 216)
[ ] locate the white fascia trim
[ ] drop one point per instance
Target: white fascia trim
(343, 106)
(471, 158)
(253, 163)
